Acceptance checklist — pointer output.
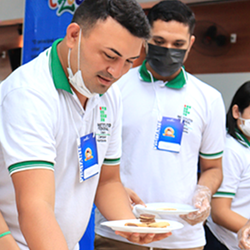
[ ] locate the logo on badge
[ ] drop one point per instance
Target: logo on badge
(88, 154)
(169, 132)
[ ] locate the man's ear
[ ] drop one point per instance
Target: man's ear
(192, 39)
(235, 111)
(72, 34)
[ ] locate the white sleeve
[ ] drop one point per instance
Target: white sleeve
(27, 127)
(213, 137)
(232, 171)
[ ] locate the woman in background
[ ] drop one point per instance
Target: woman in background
(231, 204)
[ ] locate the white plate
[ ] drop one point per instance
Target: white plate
(158, 208)
(119, 225)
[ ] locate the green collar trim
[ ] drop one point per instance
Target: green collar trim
(242, 139)
(177, 83)
(59, 78)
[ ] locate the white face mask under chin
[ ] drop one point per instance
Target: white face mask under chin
(76, 79)
(245, 128)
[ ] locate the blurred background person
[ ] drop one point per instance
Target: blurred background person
(231, 204)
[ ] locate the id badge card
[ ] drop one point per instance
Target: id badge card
(169, 134)
(88, 156)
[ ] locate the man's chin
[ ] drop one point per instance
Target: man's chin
(103, 89)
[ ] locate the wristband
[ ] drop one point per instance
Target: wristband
(5, 233)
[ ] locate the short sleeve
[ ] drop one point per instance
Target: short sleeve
(213, 136)
(27, 127)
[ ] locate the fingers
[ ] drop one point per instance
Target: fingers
(140, 238)
(134, 198)
(244, 240)
(196, 217)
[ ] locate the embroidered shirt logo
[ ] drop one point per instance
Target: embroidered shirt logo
(186, 110)
(103, 115)
(186, 118)
(64, 5)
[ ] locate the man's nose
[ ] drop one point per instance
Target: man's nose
(117, 69)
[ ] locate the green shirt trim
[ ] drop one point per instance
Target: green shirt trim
(177, 83)
(242, 139)
(30, 165)
(111, 161)
(224, 194)
(211, 156)
(58, 75)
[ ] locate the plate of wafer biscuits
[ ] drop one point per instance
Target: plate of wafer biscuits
(166, 208)
(145, 224)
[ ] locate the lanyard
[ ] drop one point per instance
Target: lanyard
(93, 122)
(160, 112)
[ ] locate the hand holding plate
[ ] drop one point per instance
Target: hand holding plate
(142, 238)
(201, 200)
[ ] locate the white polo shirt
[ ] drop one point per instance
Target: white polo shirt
(161, 176)
(235, 186)
(40, 121)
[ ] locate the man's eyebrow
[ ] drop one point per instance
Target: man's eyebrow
(116, 52)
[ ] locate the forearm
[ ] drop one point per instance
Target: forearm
(113, 202)
(211, 176)
(7, 242)
(228, 219)
(40, 228)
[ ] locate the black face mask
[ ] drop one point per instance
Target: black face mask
(164, 61)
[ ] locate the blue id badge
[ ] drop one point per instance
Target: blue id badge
(169, 134)
(88, 156)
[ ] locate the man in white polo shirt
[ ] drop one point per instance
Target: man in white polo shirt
(171, 120)
(60, 129)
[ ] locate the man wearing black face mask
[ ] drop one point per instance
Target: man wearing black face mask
(171, 121)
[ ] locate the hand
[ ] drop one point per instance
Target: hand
(133, 198)
(142, 238)
(244, 236)
(201, 200)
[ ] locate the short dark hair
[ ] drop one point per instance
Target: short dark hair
(168, 10)
(242, 99)
(126, 12)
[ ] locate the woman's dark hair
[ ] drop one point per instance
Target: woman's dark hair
(242, 99)
(126, 12)
(169, 10)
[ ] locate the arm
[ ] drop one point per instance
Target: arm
(35, 198)
(113, 202)
(221, 211)
(7, 242)
(134, 198)
(211, 173)
(111, 197)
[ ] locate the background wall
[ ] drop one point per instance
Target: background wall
(227, 71)
(11, 10)
(231, 18)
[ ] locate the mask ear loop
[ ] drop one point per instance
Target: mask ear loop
(69, 58)
(79, 47)
(78, 59)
